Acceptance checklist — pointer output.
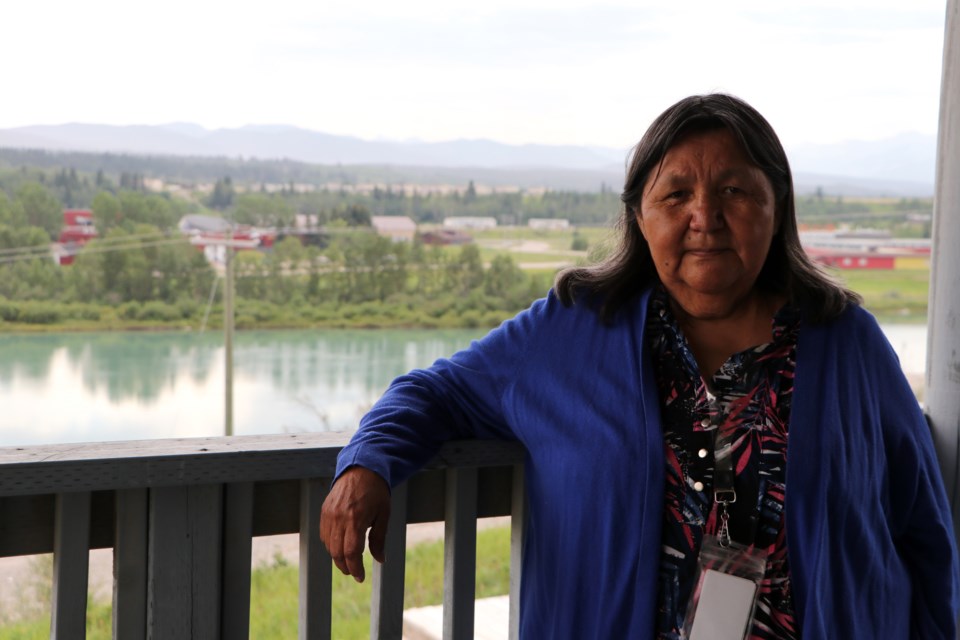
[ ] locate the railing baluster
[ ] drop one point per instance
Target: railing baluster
(206, 535)
(130, 565)
(316, 573)
(386, 602)
(183, 593)
(237, 549)
(169, 557)
(460, 552)
(518, 530)
(71, 559)
(184, 513)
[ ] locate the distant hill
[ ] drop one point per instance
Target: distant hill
(899, 166)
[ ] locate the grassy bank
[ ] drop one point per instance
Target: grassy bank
(274, 588)
(893, 295)
(898, 295)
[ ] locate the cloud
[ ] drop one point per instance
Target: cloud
(565, 71)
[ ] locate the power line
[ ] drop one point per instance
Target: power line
(44, 252)
(107, 240)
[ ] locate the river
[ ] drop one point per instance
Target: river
(126, 386)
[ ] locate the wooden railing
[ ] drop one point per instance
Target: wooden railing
(180, 516)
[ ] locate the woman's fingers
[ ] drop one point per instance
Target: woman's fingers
(359, 500)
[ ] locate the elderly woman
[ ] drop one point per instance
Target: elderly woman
(705, 384)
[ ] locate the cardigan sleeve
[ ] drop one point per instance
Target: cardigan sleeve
(919, 514)
(922, 522)
(457, 397)
(870, 534)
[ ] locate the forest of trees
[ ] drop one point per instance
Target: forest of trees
(142, 269)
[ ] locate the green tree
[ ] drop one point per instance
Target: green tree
(503, 277)
(223, 193)
(262, 210)
(11, 213)
(106, 211)
(41, 208)
(12, 237)
(467, 271)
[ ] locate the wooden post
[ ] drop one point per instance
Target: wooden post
(460, 552)
(237, 550)
(316, 572)
(942, 393)
(130, 565)
(71, 556)
(183, 594)
(518, 532)
(386, 602)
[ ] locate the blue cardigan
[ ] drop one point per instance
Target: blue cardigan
(869, 530)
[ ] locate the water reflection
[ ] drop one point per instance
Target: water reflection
(119, 386)
(89, 387)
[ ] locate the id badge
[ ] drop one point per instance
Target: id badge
(725, 590)
(725, 608)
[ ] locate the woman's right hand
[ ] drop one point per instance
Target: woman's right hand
(359, 500)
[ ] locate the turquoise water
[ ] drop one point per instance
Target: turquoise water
(129, 386)
(122, 386)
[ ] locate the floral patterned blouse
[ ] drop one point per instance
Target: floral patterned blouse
(748, 400)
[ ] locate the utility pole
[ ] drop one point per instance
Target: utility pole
(228, 332)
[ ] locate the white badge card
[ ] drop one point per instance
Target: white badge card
(725, 591)
(725, 607)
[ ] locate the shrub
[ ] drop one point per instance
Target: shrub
(158, 311)
(9, 311)
(40, 313)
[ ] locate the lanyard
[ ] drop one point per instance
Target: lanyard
(724, 493)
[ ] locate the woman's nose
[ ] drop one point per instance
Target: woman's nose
(706, 213)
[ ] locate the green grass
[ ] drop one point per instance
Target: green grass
(898, 295)
(274, 594)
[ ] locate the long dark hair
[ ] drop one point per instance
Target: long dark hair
(629, 269)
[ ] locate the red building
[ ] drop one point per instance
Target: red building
(852, 259)
(77, 231)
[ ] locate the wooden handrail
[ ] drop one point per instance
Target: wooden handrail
(180, 516)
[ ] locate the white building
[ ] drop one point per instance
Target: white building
(469, 222)
(397, 228)
(548, 223)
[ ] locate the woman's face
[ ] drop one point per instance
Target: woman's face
(708, 215)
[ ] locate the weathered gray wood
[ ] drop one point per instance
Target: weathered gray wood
(428, 490)
(26, 522)
(190, 461)
(130, 565)
(316, 590)
(942, 395)
(518, 532)
(71, 560)
(237, 549)
(460, 553)
(183, 593)
(169, 594)
(191, 551)
(206, 534)
(386, 601)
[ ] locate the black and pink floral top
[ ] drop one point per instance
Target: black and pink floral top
(748, 401)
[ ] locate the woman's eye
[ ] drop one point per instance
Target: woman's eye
(732, 189)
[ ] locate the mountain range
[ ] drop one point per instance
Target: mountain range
(900, 166)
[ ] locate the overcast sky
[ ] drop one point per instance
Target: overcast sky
(516, 71)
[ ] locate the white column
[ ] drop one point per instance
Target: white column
(943, 346)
